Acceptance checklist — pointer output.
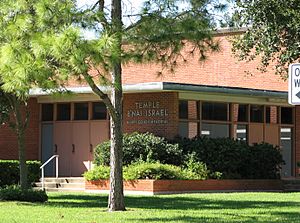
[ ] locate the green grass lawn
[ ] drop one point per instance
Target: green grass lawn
(205, 207)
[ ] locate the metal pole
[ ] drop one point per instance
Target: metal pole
(56, 166)
(43, 179)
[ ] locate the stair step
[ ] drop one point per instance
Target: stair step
(64, 179)
(60, 185)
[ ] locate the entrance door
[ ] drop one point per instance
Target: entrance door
(63, 147)
(47, 148)
(81, 159)
(286, 146)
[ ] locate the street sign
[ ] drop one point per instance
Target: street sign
(294, 84)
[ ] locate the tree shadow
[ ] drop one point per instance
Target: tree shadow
(164, 202)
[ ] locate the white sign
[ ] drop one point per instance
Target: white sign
(294, 84)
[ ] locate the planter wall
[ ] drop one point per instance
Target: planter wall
(181, 186)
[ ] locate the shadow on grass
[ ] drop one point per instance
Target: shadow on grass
(165, 202)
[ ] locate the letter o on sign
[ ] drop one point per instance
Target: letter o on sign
(297, 72)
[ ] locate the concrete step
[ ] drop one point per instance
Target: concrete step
(67, 184)
(60, 185)
(64, 179)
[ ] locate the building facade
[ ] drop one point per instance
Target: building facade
(220, 97)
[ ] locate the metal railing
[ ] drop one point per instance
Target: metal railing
(56, 169)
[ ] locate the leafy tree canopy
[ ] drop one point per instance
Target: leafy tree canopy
(273, 32)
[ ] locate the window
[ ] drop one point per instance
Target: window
(268, 114)
(257, 113)
(99, 111)
(286, 115)
(183, 109)
(81, 111)
(243, 113)
(63, 112)
(214, 111)
(47, 112)
(215, 130)
(188, 129)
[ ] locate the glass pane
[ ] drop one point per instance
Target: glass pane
(241, 132)
(47, 112)
(99, 111)
(215, 130)
(188, 129)
(183, 129)
(193, 110)
(286, 115)
(286, 150)
(257, 113)
(268, 114)
(243, 113)
(214, 111)
(63, 112)
(81, 111)
(183, 109)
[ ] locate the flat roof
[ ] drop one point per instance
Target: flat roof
(170, 86)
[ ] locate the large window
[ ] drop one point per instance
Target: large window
(99, 111)
(215, 130)
(286, 115)
(214, 111)
(81, 111)
(47, 112)
(63, 112)
(257, 113)
(243, 113)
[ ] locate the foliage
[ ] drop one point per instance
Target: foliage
(15, 193)
(97, 173)
(234, 159)
(141, 147)
(156, 171)
(153, 171)
(9, 172)
(272, 32)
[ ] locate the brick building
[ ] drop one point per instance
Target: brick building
(220, 97)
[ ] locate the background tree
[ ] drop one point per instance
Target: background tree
(25, 30)
(272, 32)
(11, 114)
(42, 45)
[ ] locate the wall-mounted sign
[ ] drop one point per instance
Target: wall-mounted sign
(147, 112)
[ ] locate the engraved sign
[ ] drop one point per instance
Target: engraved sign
(147, 112)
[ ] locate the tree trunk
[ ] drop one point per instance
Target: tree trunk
(116, 195)
(22, 160)
(20, 130)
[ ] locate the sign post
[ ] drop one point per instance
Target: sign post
(294, 84)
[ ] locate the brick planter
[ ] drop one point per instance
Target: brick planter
(186, 186)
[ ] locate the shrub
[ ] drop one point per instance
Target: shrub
(263, 162)
(14, 193)
(153, 171)
(97, 173)
(9, 172)
(234, 159)
(141, 147)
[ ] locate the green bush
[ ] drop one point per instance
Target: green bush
(234, 159)
(141, 147)
(153, 171)
(14, 193)
(156, 171)
(9, 172)
(97, 173)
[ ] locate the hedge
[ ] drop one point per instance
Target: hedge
(141, 147)
(9, 172)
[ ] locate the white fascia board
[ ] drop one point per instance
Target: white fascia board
(128, 88)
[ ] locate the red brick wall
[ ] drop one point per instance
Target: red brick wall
(167, 109)
(297, 134)
(8, 140)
